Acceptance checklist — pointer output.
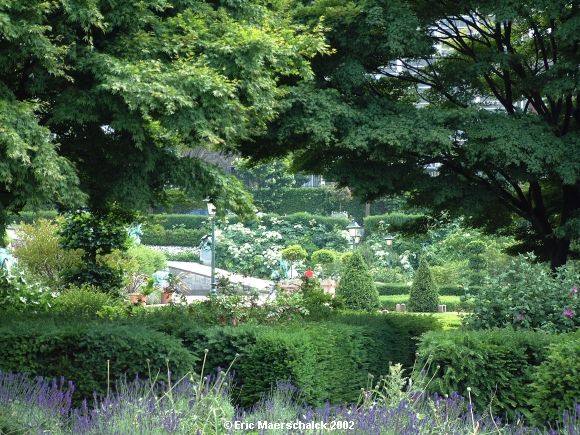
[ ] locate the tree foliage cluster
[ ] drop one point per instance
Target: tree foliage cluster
(482, 93)
(102, 101)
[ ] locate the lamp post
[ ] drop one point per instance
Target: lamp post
(211, 211)
(355, 232)
(389, 242)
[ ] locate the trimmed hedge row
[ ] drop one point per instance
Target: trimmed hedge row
(79, 351)
(159, 236)
(28, 217)
(532, 373)
(317, 200)
(327, 360)
(389, 302)
(397, 221)
(397, 288)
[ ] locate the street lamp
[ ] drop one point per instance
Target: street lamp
(389, 240)
(355, 232)
(211, 211)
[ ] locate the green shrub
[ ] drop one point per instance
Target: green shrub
(18, 294)
(321, 359)
(29, 217)
(79, 351)
(40, 253)
(527, 295)
(324, 256)
(556, 385)
(454, 303)
(394, 222)
(171, 221)
(356, 286)
(159, 236)
(393, 337)
(395, 288)
(497, 365)
(146, 260)
(423, 296)
(85, 300)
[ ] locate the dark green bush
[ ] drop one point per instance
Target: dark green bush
(498, 365)
(28, 217)
(171, 221)
(79, 350)
(356, 287)
(423, 296)
(326, 361)
(556, 385)
(317, 200)
(306, 352)
(157, 235)
(398, 288)
(395, 222)
(395, 288)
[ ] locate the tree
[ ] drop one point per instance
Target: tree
(356, 286)
(513, 170)
(112, 96)
(292, 254)
(325, 257)
(423, 296)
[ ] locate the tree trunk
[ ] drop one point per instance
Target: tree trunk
(559, 250)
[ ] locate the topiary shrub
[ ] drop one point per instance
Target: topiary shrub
(423, 296)
(293, 254)
(356, 287)
(557, 381)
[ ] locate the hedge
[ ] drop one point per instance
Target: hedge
(454, 303)
(556, 386)
(397, 221)
(317, 200)
(79, 350)
(398, 288)
(501, 367)
(28, 217)
(159, 236)
(170, 221)
(328, 360)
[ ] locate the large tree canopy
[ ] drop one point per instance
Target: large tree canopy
(103, 98)
(515, 169)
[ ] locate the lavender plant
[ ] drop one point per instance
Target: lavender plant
(202, 405)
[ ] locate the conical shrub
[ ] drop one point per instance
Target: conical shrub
(356, 287)
(424, 296)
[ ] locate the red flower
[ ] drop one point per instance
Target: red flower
(309, 273)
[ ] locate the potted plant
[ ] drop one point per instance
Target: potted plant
(139, 292)
(174, 284)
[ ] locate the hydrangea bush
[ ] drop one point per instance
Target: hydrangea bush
(255, 249)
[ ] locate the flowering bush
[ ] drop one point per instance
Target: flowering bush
(255, 249)
(528, 295)
(19, 294)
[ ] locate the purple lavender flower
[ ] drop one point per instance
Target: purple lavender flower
(573, 291)
(521, 316)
